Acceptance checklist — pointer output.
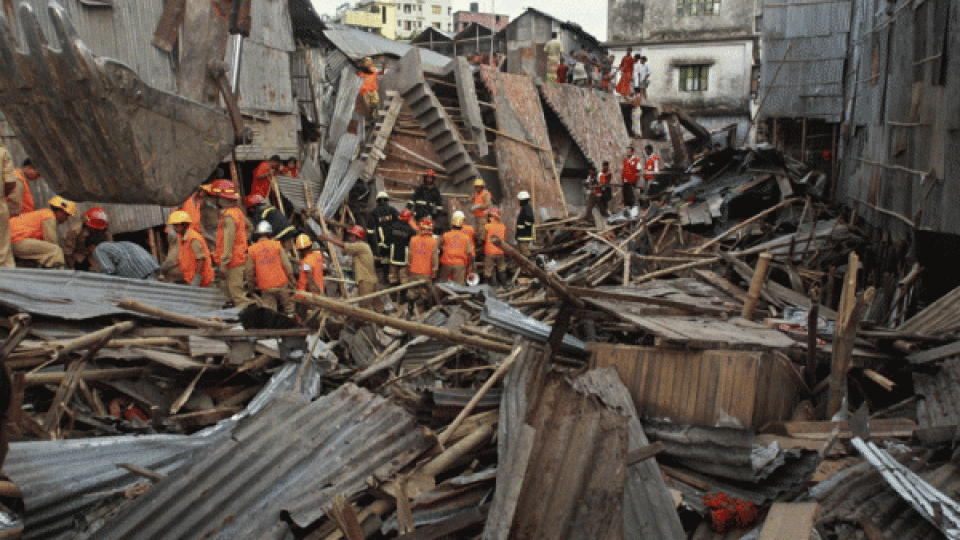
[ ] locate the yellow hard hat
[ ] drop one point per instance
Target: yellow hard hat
(478, 182)
(60, 203)
(303, 242)
(178, 216)
(457, 220)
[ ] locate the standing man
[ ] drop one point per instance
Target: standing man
(21, 194)
(482, 200)
(382, 219)
(467, 229)
(230, 254)
(554, 52)
(424, 258)
(458, 252)
(643, 78)
(190, 254)
(84, 235)
(369, 91)
(400, 235)
(364, 271)
(562, 69)
(34, 235)
(427, 199)
(651, 166)
(595, 187)
(525, 224)
(629, 176)
(263, 177)
(492, 254)
(9, 184)
(311, 267)
(268, 265)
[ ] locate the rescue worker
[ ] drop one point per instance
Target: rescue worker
(493, 255)
(9, 184)
(525, 224)
(424, 258)
(481, 202)
(263, 176)
(400, 235)
(628, 176)
(595, 186)
(268, 266)
(33, 236)
(230, 253)
(363, 269)
(382, 219)
(21, 193)
(458, 253)
(651, 166)
(311, 267)
(369, 91)
(426, 198)
(190, 254)
(77, 245)
(260, 210)
(467, 229)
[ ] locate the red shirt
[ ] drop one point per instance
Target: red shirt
(261, 180)
(562, 73)
(630, 166)
(650, 166)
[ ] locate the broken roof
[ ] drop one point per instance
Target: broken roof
(357, 45)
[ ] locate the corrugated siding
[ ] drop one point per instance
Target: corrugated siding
(357, 45)
(265, 83)
(700, 387)
(940, 404)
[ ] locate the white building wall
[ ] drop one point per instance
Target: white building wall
(413, 16)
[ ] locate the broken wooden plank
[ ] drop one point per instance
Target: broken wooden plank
(205, 347)
(644, 452)
(936, 354)
(68, 384)
(789, 520)
(165, 315)
(177, 361)
(34, 379)
(203, 418)
(756, 285)
(711, 278)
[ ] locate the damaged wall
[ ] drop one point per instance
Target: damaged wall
(680, 19)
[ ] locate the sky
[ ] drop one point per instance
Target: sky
(592, 19)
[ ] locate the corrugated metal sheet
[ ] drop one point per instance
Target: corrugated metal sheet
(502, 315)
(298, 189)
(123, 217)
(66, 294)
(940, 317)
(940, 402)
(285, 463)
(341, 176)
(265, 83)
(358, 45)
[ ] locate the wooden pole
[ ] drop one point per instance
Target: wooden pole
(813, 318)
(756, 285)
(803, 142)
(88, 375)
(750, 221)
(144, 309)
(550, 281)
(845, 332)
(667, 271)
(391, 290)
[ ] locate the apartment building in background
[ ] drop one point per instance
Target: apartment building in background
(463, 19)
(414, 16)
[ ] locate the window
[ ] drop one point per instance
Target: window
(449, 10)
(697, 7)
(407, 8)
(437, 10)
(693, 78)
(436, 25)
(448, 27)
(384, 15)
(407, 26)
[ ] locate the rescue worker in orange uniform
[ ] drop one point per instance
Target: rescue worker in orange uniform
(493, 255)
(311, 267)
(268, 266)
(458, 252)
(482, 200)
(82, 237)
(33, 236)
(369, 91)
(424, 258)
(364, 271)
(467, 229)
(263, 177)
(190, 254)
(230, 254)
(20, 200)
(651, 166)
(9, 184)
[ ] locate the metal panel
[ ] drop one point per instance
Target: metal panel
(278, 136)
(285, 463)
(502, 315)
(358, 44)
(270, 25)
(265, 79)
(939, 404)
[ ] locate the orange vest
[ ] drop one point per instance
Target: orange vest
(421, 254)
(315, 261)
(239, 255)
(480, 198)
(651, 165)
(471, 232)
(369, 81)
(188, 261)
(498, 229)
(455, 248)
(261, 180)
(28, 204)
(266, 261)
(29, 225)
(192, 209)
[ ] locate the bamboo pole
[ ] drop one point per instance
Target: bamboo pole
(756, 285)
(550, 281)
(750, 221)
(144, 309)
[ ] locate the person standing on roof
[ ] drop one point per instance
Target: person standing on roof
(554, 52)
(370, 91)
(268, 266)
(651, 166)
(230, 254)
(21, 195)
(311, 267)
(364, 271)
(643, 78)
(624, 85)
(458, 253)
(493, 261)
(77, 245)
(562, 69)
(9, 184)
(263, 177)
(400, 235)
(190, 255)
(34, 235)
(382, 219)
(426, 198)
(292, 167)
(629, 176)
(482, 200)
(424, 258)
(526, 232)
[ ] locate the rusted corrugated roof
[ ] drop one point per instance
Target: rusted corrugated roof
(282, 465)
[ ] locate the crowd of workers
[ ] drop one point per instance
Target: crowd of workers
(599, 186)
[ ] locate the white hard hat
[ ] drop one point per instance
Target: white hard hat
(473, 279)
(523, 196)
(264, 228)
(382, 195)
(458, 214)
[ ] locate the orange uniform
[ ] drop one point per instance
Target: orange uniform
(261, 180)
(267, 263)
(369, 81)
(239, 252)
(471, 232)
(457, 248)
(481, 199)
(651, 166)
(30, 225)
(494, 229)
(192, 209)
(188, 259)
(423, 255)
(27, 204)
(311, 272)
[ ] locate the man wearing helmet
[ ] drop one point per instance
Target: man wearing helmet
(20, 200)
(33, 235)
(427, 200)
(230, 254)
(268, 266)
(311, 267)
(493, 255)
(369, 91)
(458, 251)
(424, 257)
(525, 224)
(400, 235)
(481, 202)
(382, 219)
(363, 269)
(80, 239)
(259, 209)
(190, 254)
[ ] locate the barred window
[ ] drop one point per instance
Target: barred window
(694, 78)
(697, 7)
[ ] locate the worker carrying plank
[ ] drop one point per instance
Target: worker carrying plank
(33, 236)
(364, 271)
(268, 266)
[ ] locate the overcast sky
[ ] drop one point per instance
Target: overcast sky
(592, 19)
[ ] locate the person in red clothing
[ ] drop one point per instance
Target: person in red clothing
(596, 185)
(369, 91)
(625, 84)
(21, 195)
(492, 254)
(651, 166)
(311, 267)
(263, 177)
(457, 251)
(562, 69)
(268, 265)
(424, 257)
(292, 168)
(192, 256)
(629, 176)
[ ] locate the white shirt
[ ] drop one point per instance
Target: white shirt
(641, 74)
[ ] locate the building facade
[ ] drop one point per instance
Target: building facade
(463, 19)
(414, 16)
(523, 39)
(378, 17)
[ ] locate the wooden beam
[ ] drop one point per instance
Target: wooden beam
(88, 375)
(644, 452)
(746, 223)
(756, 285)
(152, 311)
(549, 280)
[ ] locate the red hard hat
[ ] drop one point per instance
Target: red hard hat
(431, 173)
(406, 214)
(96, 218)
(358, 231)
(426, 223)
(493, 211)
(253, 199)
(225, 189)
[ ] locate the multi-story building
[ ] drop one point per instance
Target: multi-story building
(413, 16)
(463, 19)
(378, 17)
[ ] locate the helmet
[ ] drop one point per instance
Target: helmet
(426, 223)
(95, 218)
(523, 196)
(368, 61)
(179, 216)
(473, 279)
(382, 195)
(493, 211)
(478, 183)
(225, 190)
(303, 242)
(458, 214)
(431, 173)
(253, 199)
(60, 203)
(358, 231)
(264, 227)
(457, 220)
(406, 214)
(207, 188)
